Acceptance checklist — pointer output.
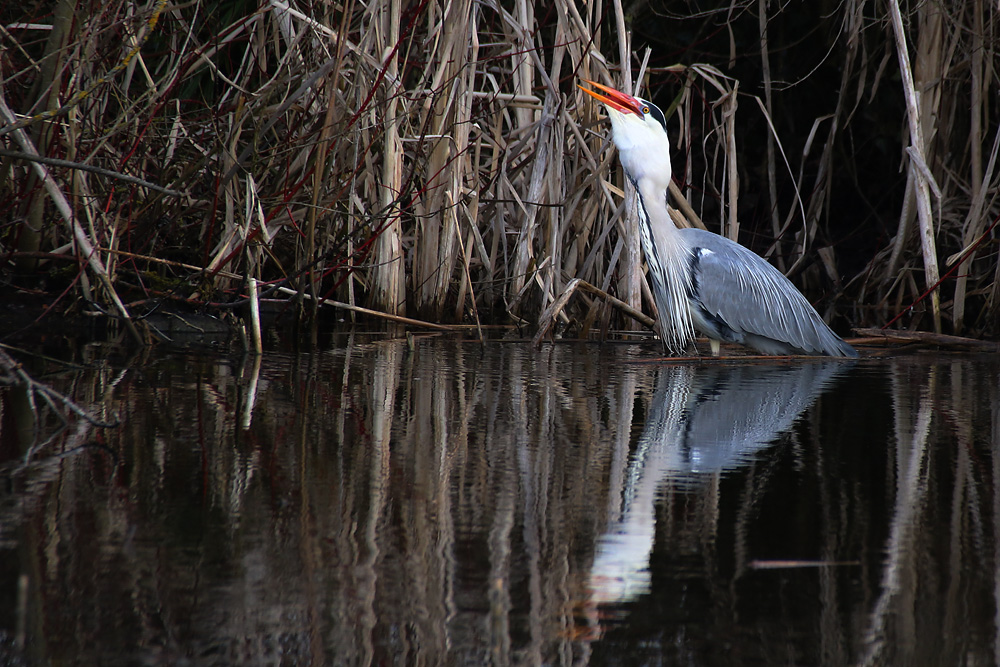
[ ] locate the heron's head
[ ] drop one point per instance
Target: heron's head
(639, 130)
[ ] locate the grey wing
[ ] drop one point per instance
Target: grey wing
(751, 297)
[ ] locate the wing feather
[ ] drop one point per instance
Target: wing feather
(753, 298)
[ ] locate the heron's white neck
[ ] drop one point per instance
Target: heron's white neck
(667, 256)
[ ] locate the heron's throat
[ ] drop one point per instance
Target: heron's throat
(667, 256)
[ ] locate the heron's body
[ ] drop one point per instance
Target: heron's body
(700, 280)
(723, 313)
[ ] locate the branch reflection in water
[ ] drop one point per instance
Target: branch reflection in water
(451, 504)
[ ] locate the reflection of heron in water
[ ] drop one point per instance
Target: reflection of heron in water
(701, 421)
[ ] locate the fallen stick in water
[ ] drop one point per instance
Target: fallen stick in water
(941, 340)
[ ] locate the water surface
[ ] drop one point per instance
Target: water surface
(440, 502)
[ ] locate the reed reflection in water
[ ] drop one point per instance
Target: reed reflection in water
(448, 503)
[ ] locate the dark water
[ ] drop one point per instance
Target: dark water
(451, 504)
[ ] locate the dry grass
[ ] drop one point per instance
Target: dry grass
(436, 159)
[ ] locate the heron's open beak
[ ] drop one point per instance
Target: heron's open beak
(613, 99)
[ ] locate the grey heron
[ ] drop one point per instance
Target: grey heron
(700, 280)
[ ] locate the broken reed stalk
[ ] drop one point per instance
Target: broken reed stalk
(916, 125)
(389, 278)
(732, 175)
(257, 345)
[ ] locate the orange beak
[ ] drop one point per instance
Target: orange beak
(613, 98)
